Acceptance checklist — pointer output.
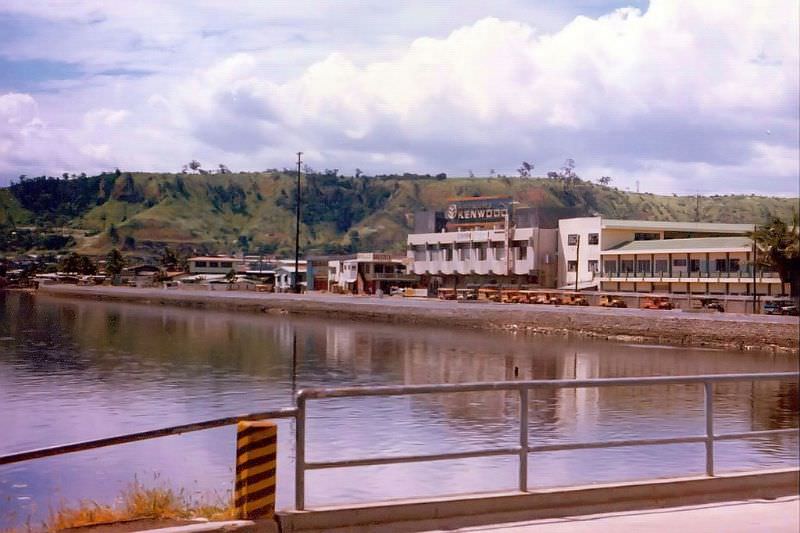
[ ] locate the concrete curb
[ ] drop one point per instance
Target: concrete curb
(474, 510)
(239, 526)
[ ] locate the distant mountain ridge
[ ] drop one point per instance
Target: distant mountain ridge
(254, 212)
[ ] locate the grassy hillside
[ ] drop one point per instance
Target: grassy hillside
(255, 211)
(11, 212)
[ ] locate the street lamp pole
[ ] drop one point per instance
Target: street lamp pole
(296, 284)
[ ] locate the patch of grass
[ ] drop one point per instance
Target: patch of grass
(138, 501)
(86, 513)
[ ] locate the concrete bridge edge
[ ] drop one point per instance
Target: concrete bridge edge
(482, 509)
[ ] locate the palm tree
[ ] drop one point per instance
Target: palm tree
(779, 247)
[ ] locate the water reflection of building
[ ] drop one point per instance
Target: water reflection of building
(253, 345)
(453, 357)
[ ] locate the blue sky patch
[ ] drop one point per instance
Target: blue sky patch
(30, 75)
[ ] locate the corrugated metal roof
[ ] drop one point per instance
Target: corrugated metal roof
(683, 245)
(608, 223)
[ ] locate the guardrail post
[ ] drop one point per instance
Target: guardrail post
(523, 439)
(256, 459)
(709, 409)
(300, 454)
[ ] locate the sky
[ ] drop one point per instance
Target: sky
(670, 96)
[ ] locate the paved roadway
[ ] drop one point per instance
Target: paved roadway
(398, 302)
(776, 516)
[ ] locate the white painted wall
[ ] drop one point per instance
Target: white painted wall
(583, 253)
(434, 258)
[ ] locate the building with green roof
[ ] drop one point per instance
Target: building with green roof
(660, 257)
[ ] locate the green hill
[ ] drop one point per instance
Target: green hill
(254, 212)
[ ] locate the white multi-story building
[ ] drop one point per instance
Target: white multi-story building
(482, 244)
(482, 241)
(660, 257)
(516, 255)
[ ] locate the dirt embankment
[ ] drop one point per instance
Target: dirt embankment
(730, 331)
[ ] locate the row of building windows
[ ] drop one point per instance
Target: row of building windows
(519, 251)
(592, 265)
(213, 264)
(592, 238)
(661, 266)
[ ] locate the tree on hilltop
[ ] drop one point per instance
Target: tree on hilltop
(568, 170)
(526, 169)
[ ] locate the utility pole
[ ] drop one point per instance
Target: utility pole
(297, 230)
(577, 261)
(508, 241)
(697, 207)
(755, 263)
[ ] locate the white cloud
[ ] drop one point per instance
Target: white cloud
(672, 95)
(99, 118)
(20, 127)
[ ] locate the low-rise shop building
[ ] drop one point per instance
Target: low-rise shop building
(369, 273)
(215, 264)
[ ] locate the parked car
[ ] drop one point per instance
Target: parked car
(776, 307)
(712, 304)
(790, 309)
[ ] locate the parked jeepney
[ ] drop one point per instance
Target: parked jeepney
(612, 301)
(513, 296)
(467, 294)
(446, 294)
(656, 302)
(489, 293)
(574, 299)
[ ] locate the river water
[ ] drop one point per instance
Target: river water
(76, 370)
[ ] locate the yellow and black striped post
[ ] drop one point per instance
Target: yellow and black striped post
(256, 459)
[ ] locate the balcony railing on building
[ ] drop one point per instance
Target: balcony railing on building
(744, 276)
(391, 276)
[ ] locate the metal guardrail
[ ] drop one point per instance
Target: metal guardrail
(521, 450)
(524, 448)
(143, 435)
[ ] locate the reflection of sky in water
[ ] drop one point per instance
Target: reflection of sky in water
(77, 370)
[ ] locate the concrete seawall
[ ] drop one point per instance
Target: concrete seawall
(771, 334)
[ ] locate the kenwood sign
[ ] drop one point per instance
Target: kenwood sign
(478, 210)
